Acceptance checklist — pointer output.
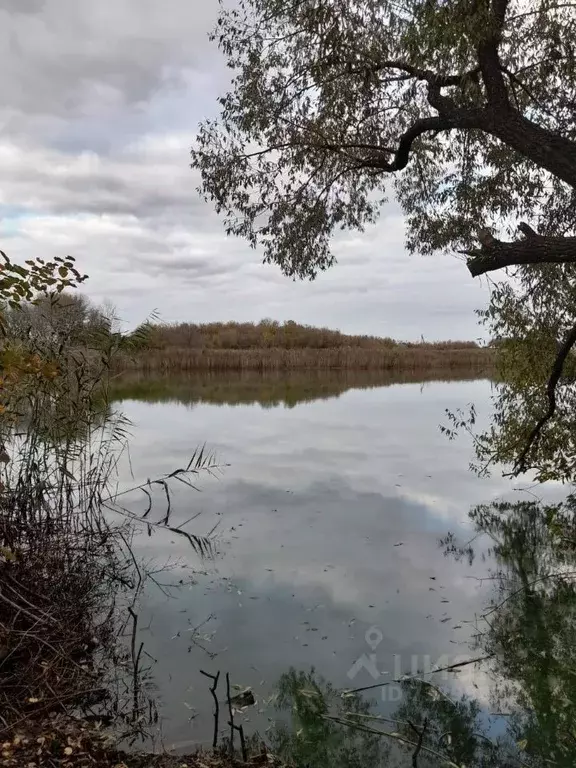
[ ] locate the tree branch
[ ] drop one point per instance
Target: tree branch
(402, 154)
(427, 75)
(418, 676)
(557, 369)
(355, 725)
(420, 735)
(214, 679)
(515, 79)
(532, 249)
(489, 59)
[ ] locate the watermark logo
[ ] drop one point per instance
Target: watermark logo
(373, 638)
(418, 665)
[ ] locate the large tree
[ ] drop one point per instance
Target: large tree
(465, 111)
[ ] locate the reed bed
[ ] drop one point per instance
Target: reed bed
(69, 577)
(58, 573)
(271, 346)
(398, 358)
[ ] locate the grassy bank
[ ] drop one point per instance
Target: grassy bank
(269, 346)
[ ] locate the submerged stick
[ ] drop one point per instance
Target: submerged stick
(231, 713)
(215, 679)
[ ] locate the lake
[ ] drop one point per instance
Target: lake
(327, 522)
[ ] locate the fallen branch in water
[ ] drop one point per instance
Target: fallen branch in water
(449, 668)
(395, 736)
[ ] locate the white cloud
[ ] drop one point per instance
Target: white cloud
(100, 103)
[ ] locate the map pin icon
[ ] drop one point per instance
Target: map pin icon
(373, 637)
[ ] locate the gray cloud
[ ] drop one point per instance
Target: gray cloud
(100, 103)
(78, 57)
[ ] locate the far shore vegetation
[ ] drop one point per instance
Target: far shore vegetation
(265, 346)
(270, 345)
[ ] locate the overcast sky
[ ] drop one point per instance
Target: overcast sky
(99, 106)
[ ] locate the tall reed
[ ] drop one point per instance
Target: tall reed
(402, 358)
(69, 576)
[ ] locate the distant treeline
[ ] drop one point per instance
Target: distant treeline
(271, 334)
(264, 346)
(269, 345)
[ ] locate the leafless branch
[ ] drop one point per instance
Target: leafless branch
(420, 734)
(214, 679)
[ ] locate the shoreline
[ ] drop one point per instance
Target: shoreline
(76, 744)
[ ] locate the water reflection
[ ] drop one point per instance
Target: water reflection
(327, 726)
(269, 389)
(528, 630)
(530, 625)
(312, 734)
(329, 519)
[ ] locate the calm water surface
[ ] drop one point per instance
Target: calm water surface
(327, 525)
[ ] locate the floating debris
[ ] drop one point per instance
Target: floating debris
(245, 698)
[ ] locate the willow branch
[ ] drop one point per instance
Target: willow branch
(533, 248)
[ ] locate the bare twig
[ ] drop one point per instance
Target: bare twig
(240, 730)
(230, 713)
(214, 679)
(376, 732)
(135, 665)
(420, 734)
(233, 726)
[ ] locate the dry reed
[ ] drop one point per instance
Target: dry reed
(404, 358)
(68, 575)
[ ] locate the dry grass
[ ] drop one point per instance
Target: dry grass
(69, 581)
(64, 742)
(51, 638)
(69, 578)
(404, 358)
